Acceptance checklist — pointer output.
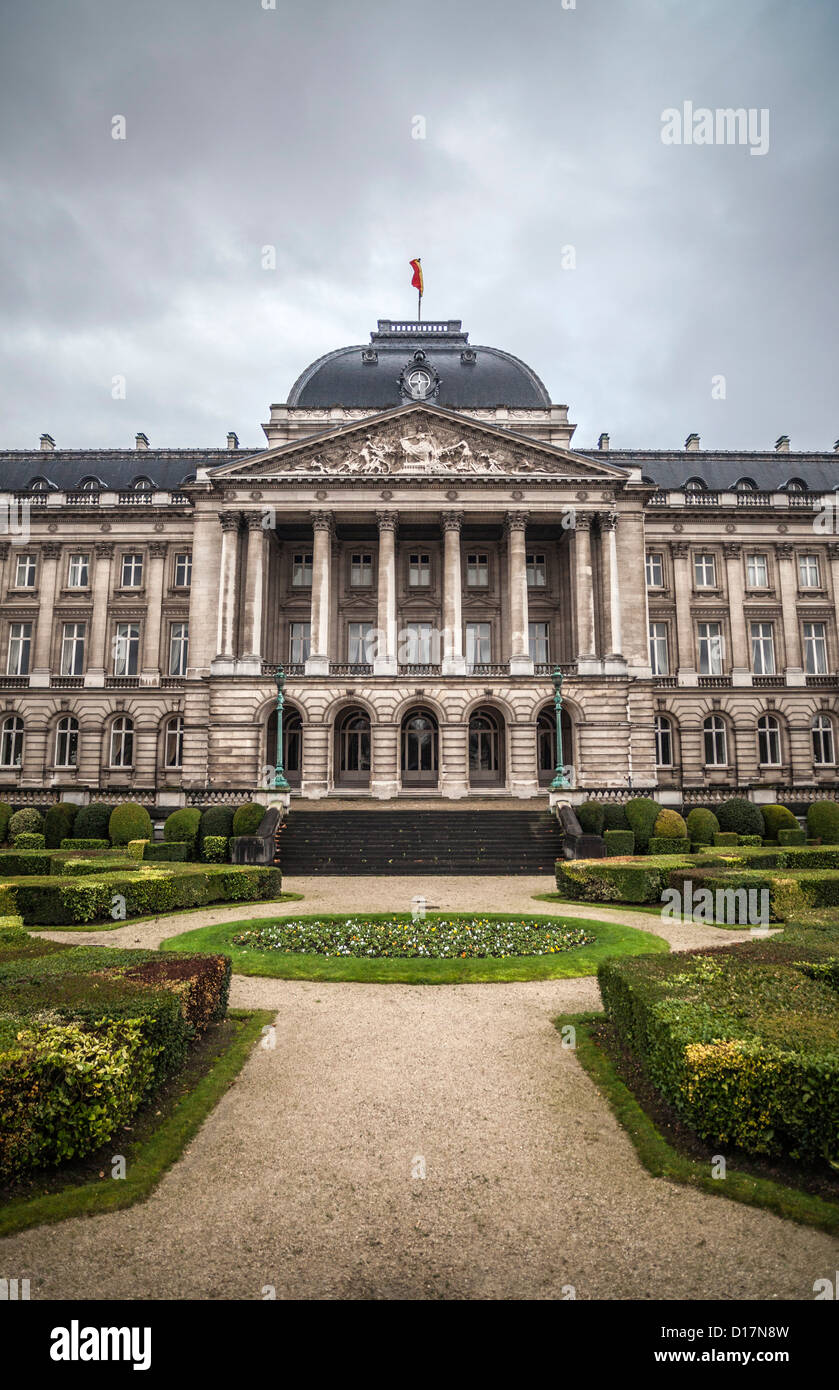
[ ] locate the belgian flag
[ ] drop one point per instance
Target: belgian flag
(416, 266)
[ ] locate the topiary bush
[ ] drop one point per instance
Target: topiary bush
(215, 820)
(702, 826)
(619, 842)
(183, 826)
(25, 822)
(823, 822)
(59, 822)
(85, 844)
(727, 837)
(614, 816)
(5, 817)
(642, 813)
(92, 821)
(214, 849)
(137, 849)
(173, 851)
(668, 844)
(750, 839)
(670, 826)
(791, 837)
(740, 816)
(28, 839)
(591, 815)
(777, 818)
(129, 821)
(248, 818)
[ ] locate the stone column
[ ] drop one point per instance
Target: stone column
(521, 663)
(385, 657)
(587, 663)
(318, 663)
(788, 581)
(47, 583)
(225, 662)
(631, 580)
(4, 555)
(251, 663)
(99, 653)
(741, 666)
(686, 661)
(453, 659)
(205, 592)
(154, 614)
(610, 583)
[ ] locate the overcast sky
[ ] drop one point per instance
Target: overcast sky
(292, 127)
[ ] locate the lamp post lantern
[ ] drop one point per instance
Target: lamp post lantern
(280, 783)
(560, 781)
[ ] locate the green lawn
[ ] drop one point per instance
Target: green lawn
(612, 939)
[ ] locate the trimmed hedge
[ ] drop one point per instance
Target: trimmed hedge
(215, 820)
(58, 823)
(175, 852)
(823, 822)
(702, 825)
(182, 826)
(741, 816)
(642, 813)
(791, 837)
(92, 821)
(619, 842)
(25, 822)
(670, 826)
(214, 849)
(60, 900)
(17, 862)
(744, 1046)
(137, 848)
(129, 821)
(590, 814)
(5, 817)
(85, 844)
(614, 816)
(750, 839)
(248, 818)
(613, 880)
(666, 844)
(29, 840)
(728, 837)
(777, 818)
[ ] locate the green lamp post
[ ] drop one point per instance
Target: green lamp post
(560, 781)
(280, 783)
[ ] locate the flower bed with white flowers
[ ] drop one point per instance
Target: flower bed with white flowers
(430, 938)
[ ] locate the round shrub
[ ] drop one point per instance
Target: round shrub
(25, 822)
(670, 826)
(5, 817)
(740, 816)
(248, 818)
(642, 813)
(215, 820)
(92, 821)
(823, 822)
(777, 818)
(614, 816)
(129, 821)
(702, 826)
(591, 817)
(59, 822)
(183, 825)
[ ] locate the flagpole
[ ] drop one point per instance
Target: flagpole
(419, 306)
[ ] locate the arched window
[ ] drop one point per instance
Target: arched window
(794, 485)
(122, 742)
(823, 745)
(142, 484)
(546, 745)
(90, 485)
(663, 741)
(745, 485)
(11, 741)
(768, 741)
(352, 732)
(486, 747)
(716, 741)
(173, 750)
(292, 743)
(39, 485)
(694, 485)
(67, 742)
(419, 748)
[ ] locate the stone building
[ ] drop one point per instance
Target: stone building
(417, 545)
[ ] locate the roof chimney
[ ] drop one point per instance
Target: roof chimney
(603, 443)
(232, 440)
(141, 441)
(782, 444)
(692, 443)
(47, 441)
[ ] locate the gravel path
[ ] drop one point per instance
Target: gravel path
(306, 1177)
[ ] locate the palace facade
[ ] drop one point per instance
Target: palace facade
(417, 545)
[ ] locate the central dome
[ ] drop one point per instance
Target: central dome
(419, 361)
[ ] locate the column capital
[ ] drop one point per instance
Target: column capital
(583, 520)
(387, 521)
(515, 521)
(451, 521)
(103, 550)
(323, 521)
(608, 521)
(229, 521)
(253, 521)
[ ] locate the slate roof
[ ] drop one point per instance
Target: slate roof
(720, 470)
(168, 469)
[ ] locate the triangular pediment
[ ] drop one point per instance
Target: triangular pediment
(417, 440)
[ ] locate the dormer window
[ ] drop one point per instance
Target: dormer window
(794, 485)
(142, 485)
(39, 485)
(90, 485)
(694, 485)
(745, 485)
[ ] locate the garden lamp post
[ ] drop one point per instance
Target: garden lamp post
(560, 781)
(280, 783)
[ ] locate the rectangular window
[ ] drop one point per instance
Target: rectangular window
(79, 577)
(20, 643)
(478, 644)
(419, 570)
(416, 645)
(809, 575)
(132, 570)
(361, 570)
(72, 649)
(763, 649)
(655, 570)
(710, 649)
(178, 648)
(757, 572)
(477, 570)
(301, 570)
(300, 641)
(659, 659)
(815, 649)
(183, 570)
(126, 649)
(537, 571)
(538, 641)
(359, 644)
(705, 571)
(25, 572)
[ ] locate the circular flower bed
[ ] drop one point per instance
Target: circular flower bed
(429, 937)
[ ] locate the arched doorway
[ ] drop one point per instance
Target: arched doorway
(546, 745)
(292, 743)
(352, 748)
(419, 749)
(486, 748)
